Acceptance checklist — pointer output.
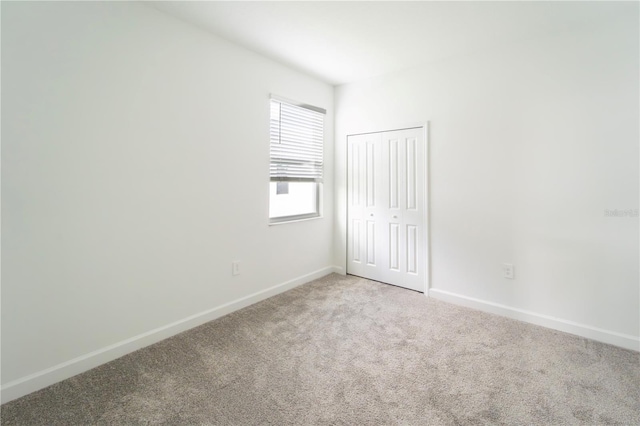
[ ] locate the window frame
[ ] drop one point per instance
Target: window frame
(300, 217)
(318, 182)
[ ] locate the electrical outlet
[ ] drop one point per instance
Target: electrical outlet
(235, 268)
(507, 270)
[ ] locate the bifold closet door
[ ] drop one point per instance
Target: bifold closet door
(385, 230)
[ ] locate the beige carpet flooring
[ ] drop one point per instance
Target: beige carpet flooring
(344, 350)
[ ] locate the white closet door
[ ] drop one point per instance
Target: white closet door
(386, 207)
(366, 205)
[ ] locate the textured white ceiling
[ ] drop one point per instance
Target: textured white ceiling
(341, 42)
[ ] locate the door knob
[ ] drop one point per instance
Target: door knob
(371, 214)
(395, 217)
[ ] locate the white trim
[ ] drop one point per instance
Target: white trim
(388, 128)
(606, 336)
(426, 235)
(284, 222)
(299, 104)
(67, 369)
(339, 270)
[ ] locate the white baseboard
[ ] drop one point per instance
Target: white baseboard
(44, 378)
(606, 336)
(339, 270)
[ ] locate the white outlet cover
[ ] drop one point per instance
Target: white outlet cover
(507, 270)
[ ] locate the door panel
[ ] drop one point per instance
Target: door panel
(355, 189)
(371, 243)
(394, 247)
(365, 202)
(411, 173)
(393, 186)
(394, 181)
(355, 240)
(370, 174)
(412, 249)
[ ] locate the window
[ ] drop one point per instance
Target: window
(297, 140)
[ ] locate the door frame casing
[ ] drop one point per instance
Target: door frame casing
(426, 240)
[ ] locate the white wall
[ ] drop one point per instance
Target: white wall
(529, 144)
(135, 157)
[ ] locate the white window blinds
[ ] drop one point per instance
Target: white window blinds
(297, 136)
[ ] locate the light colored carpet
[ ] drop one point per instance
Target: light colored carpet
(344, 350)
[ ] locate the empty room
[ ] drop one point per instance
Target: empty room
(292, 213)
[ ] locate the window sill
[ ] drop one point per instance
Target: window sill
(305, 219)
